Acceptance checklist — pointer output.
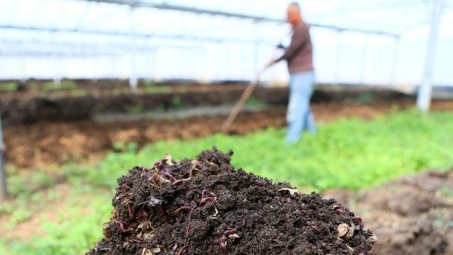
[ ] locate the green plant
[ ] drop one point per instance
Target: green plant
(18, 215)
(149, 83)
(34, 86)
(177, 102)
(9, 86)
(24, 185)
(6, 207)
(62, 85)
(157, 89)
(445, 191)
(78, 92)
(352, 154)
(42, 179)
(68, 234)
(134, 109)
(253, 101)
(363, 98)
(16, 182)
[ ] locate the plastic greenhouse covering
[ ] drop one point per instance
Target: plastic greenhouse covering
(355, 41)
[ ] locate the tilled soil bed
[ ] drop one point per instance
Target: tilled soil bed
(38, 145)
(412, 215)
(205, 206)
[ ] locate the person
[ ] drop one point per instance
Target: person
(299, 57)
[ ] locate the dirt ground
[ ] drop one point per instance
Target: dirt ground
(411, 215)
(45, 143)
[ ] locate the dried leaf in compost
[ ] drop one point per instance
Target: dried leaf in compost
(292, 192)
(154, 201)
(350, 249)
(372, 239)
(146, 252)
(342, 229)
(194, 172)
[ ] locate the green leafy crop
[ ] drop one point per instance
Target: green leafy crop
(351, 153)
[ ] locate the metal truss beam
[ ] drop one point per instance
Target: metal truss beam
(166, 6)
(40, 48)
(92, 46)
(53, 53)
(129, 34)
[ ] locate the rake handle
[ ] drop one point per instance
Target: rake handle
(237, 108)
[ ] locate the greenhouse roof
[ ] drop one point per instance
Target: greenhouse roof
(83, 28)
(208, 19)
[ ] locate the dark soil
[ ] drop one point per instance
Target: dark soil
(17, 108)
(38, 145)
(205, 206)
(411, 215)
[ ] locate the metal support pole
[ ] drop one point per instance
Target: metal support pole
(55, 59)
(337, 59)
(156, 64)
(23, 59)
(133, 81)
(424, 93)
(364, 59)
(392, 80)
(3, 188)
(256, 45)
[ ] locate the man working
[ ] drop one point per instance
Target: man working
(299, 56)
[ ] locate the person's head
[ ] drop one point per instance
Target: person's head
(293, 15)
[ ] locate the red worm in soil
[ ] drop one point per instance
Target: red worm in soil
(169, 176)
(157, 165)
(190, 219)
(222, 242)
(230, 232)
(206, 192)
(162, 212)
(124, 186)
(205, 198)
(203, 193)
(317, 229)
(134, 240)
(121, 226)
(129, 210)
(145, 172)
(142, 214)
(183, 208)
(360, 221)
(223, 245)
(183, 249)
(244, 223)
(177, 182)
(208, 199)
(339, 211)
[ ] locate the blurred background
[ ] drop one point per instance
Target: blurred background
(91, 88)
(373, 42)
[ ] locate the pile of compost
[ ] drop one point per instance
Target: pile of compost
(205, 206)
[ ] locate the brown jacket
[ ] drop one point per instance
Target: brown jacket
(299, 54)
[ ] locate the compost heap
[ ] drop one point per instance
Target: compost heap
(205, 206)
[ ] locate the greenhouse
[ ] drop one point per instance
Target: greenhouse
(226, 127)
